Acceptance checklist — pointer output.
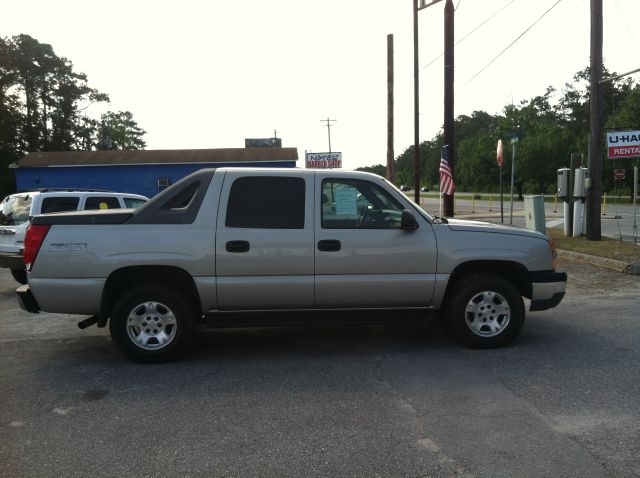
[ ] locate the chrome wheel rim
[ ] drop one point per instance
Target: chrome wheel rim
(487, 314)
(151, 325)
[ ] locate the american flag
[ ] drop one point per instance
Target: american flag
(446, 178)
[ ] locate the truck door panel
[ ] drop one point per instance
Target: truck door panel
(264, 242)
(377, 264)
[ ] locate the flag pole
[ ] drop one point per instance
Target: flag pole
(501, 203)
(500, 161)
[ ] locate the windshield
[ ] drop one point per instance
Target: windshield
(15, 210)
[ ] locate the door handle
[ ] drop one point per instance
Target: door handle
(329, 245)
(237, 246)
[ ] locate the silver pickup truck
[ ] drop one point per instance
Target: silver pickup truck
(239, 246)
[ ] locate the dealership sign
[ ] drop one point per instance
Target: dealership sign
(324, 160)
(623, 144)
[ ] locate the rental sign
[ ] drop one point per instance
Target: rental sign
(623, 144)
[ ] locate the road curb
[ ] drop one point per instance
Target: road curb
(613, 264)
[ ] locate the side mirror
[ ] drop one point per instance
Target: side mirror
(408, 221)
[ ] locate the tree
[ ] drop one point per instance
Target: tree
(42, 99)
(475, 166)
(551, 128)
(379, 169)
(121, 130)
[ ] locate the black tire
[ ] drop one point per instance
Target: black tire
(20, 275)
(485, 311)
(159, 317)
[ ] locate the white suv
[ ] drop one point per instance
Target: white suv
(17, 209)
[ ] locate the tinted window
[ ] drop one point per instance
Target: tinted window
(60, 204)
(266, 202)
(357, 204)
(101, 202)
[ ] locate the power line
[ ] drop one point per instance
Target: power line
(470, 33)
(624, 19)
(511, 44)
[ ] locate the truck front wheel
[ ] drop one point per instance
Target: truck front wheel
(485, 310)
(152, 324)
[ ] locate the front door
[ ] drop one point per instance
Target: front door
(363, 258)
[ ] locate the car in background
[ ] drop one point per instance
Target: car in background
(424, 189)
(16, 210)
(405, 188)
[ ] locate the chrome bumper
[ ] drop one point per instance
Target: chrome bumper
(547, 289)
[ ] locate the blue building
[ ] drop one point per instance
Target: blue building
(143, 172)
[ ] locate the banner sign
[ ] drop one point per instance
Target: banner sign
(324, 160)
(623, 144)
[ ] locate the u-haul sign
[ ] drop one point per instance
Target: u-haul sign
(324, 160)
(623, 144)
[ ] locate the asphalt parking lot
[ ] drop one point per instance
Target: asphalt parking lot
(563, 400)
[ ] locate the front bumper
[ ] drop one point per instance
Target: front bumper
(11, 260)
(547, 289)
(27, 300)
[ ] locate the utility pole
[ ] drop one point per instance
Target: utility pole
(390, 155)
(329, 121)
(448, 99)
(594, 231)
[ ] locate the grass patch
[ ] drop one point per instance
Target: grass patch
(609, 248)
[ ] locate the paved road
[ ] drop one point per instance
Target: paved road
(563, 400)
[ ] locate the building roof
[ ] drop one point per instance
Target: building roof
(158, 156)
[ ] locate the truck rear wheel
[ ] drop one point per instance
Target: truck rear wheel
(152, 323)
(486, 311)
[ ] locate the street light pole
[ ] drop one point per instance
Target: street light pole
(416, 96)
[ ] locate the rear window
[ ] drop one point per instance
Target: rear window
(267, 203)
(15, 210)
(60, 204)
(101, 202)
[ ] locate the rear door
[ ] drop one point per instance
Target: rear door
(363, 258)
(264, 241)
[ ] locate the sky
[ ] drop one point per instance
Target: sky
(210, 73)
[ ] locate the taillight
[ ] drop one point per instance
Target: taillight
(32, 243)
